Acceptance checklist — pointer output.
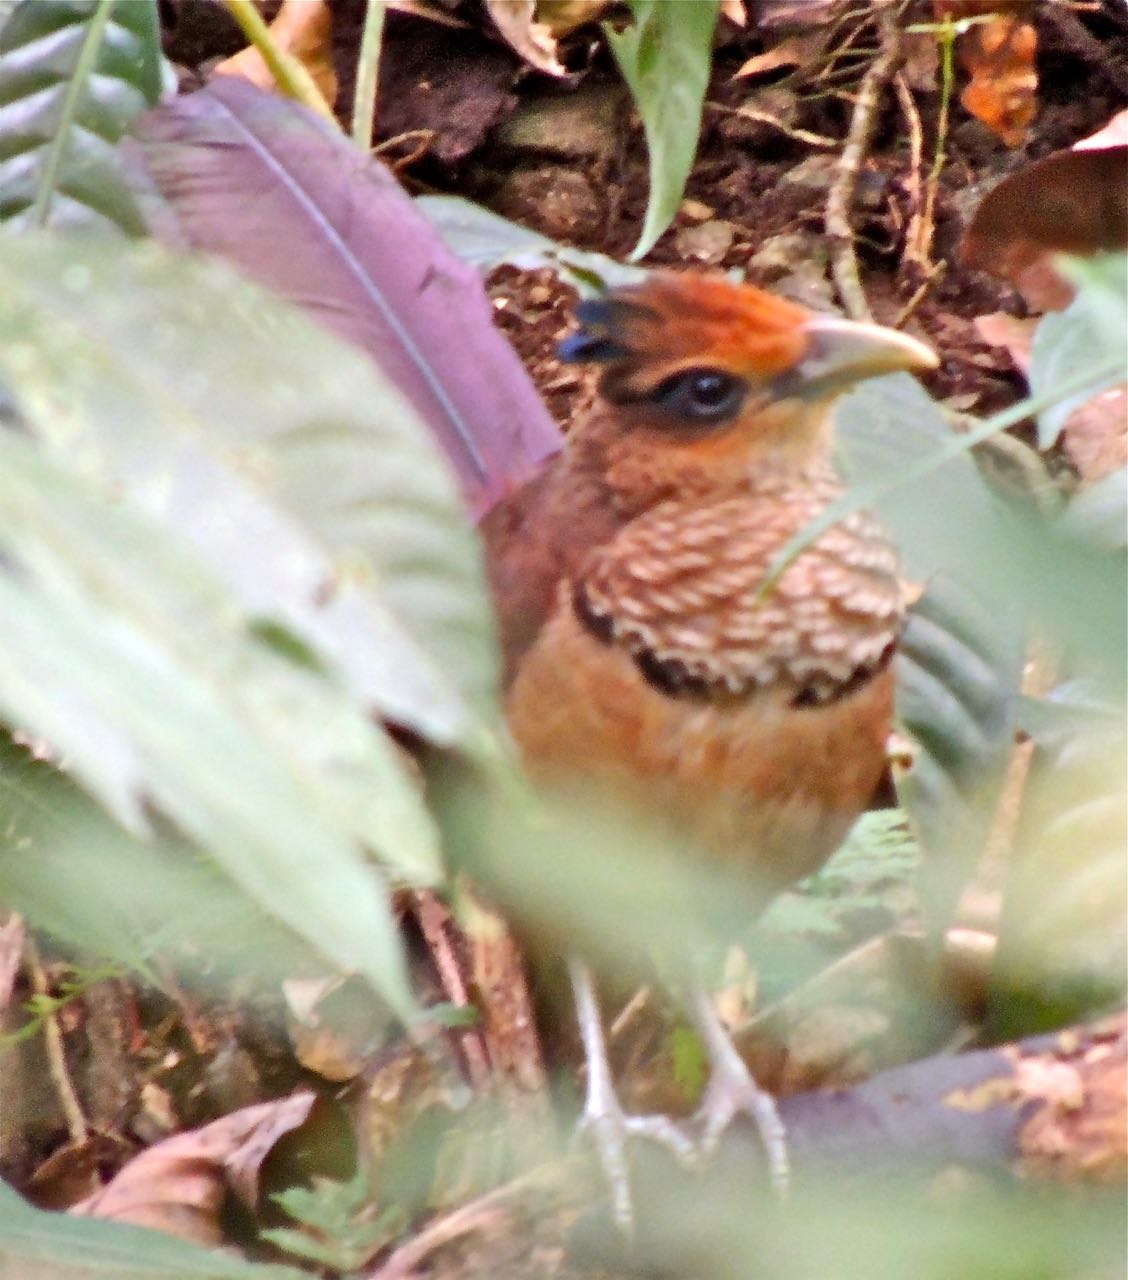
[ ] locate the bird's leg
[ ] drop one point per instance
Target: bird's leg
(603, 1115)
(732, 1091)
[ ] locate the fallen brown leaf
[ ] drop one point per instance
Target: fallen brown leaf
(999, 56)
(516, 20)
(562, 16)
(301, 28)
(795, 51)
(178, 1186)
(1072, 201)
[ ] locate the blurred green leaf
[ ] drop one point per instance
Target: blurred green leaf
(880, 855)
(184, 472)
(1073, 708)
(487, 240)
(960, 663)
(113, 656)
(1063, 937)
(341, 1232)
(1015, 569)
(73, 74)
(665, 57)
(94, 887)
(1099, 513)
(906, 462)
(37, 1245)
(891, 1226)
(1089, 333)
(275, 450)
(958, 675)
(691, 1062)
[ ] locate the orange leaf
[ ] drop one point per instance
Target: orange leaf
(304, 30)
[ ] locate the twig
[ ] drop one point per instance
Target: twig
(627, 1014)
(919, 235)
(935, 273)
(844, 261)
(423, 138)
(367, 74)
(434, 920)
(483, 1212)
(55, 1050)
(12, 936)
(765, 117)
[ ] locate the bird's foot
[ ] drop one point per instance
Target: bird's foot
(611, 1128)
(603, 1117)
(732, 1092)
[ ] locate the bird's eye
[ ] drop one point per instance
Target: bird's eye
(702, 395)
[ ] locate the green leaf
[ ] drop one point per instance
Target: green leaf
(1099, 514)
(276, 451)
(691, 1062)
(905, 461)
(665, 57)
(958, 679)
(487, 240)
(1087, 335)
(1063, 936)
(189, 479)
(57, 1246)
(870, 872)
(115, 658)
(73, 74)
(78, 875)
(958, 674)
(889, 424)
(959, 668)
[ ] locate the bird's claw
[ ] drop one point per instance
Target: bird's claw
(732, 1092)
(610, 1129)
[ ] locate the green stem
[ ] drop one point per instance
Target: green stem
(867, 495)
(367, 74)
(292, 78)
(61, 136)
(947, 83)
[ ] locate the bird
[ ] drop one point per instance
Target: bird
(645, 656)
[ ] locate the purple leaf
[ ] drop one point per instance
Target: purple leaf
(260, 181)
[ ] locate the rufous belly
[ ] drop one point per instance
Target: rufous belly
(771, 785)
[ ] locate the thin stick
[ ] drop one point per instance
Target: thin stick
(917, 238)
(434, 920)
(368, 74)
(292, 78)
(844, 261)
(479, 1214)
(56, 1051)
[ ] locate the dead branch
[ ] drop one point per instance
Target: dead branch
(844, 261)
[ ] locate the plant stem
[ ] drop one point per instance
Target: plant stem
(292, 78)
(947, 42)
(367, 74)
(61, 136)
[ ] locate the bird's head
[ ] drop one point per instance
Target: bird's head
(721, 374)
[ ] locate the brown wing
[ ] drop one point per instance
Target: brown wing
(535, 538)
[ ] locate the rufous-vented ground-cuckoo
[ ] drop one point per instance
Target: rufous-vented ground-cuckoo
(639, 652)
